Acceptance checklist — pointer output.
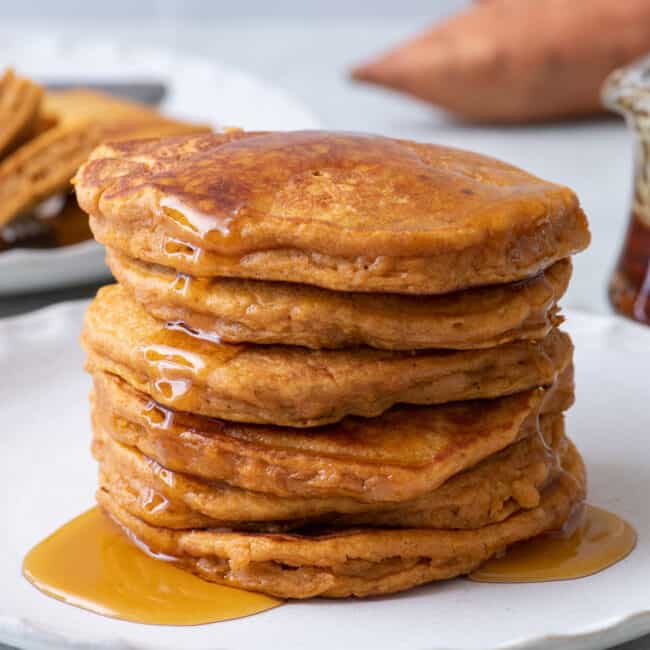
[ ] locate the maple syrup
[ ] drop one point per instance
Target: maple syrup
(258, 172)
(178, 357)
(594, 540)
(627, 91)
(629, 290)
(55, 223)
(91, 564)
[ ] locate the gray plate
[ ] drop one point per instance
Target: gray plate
(146, 92)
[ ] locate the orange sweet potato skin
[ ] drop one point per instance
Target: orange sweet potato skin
(518, 61)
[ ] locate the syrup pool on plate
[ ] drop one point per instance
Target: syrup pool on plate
(90, 563)
(594, 541)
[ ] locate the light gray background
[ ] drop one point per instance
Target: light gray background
(308, 50)
(237, 9)
(307, 47)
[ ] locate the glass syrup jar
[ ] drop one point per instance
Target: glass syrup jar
(627, 91)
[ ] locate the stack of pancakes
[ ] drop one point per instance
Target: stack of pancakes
(331, 365)
(44, 137)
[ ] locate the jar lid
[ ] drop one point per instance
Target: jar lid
(627, 90)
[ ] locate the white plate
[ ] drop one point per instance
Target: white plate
(198, 89)
(49, 477)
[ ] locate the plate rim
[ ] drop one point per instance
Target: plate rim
(14, 255)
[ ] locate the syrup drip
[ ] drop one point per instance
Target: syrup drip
(176, 248)
(153, 501)
(171, 389)
(194, 220)
(179, 357)
(155, 416)
(91, 564)
(200, 334)
(181, 284)
(595, 540)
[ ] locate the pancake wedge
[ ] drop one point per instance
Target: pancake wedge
(341, 211)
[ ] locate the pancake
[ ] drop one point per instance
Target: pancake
(341, 211)
(81, 119)
(491, 491)
(400, 455)
(294, 386)
(237, 311)
(20, 100)
(355, 562)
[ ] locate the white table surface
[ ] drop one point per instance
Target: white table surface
(311, 59)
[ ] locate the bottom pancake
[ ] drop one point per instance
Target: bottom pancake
(487, 493)
(355, 562)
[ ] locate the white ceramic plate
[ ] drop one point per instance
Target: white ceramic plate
(197, 89)
(48, 477)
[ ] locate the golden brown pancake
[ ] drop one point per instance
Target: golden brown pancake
(400, 455)
(20, 101)
(236, 311)
(491, 491)
(354, 562)
(81, 119)
(340, 211)
(294, 386)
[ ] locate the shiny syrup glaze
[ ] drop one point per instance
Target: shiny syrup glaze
(179, 356)
(629, 290)
(229, 182)
(239, 177)
(593, 540)
(91, 564)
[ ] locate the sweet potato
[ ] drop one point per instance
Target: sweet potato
(518, 61)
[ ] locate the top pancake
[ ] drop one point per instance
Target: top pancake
(342, 211)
